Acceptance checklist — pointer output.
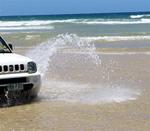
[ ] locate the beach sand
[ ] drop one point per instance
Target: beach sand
(61, 116)
(126, 112)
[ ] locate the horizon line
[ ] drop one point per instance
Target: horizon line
(57, 14)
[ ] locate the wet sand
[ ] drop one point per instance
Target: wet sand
(60, 116)
(51, 113)
(79, 95)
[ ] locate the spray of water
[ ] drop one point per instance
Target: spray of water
(73, 67)
(63, 41)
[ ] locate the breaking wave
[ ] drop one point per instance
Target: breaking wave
(139, 16)
(26, 28)
(136, 16)
(25, 25)
(33, 22)
(114, 22)
(49, 24)
(117, 38)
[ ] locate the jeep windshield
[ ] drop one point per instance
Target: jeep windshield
(4, 48)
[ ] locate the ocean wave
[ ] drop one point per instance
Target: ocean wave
(27, 28)
(117, 38)
(136, 16)
(73, 21)
(115, 22)
(22, 23)
(34, 22)
(139, 16)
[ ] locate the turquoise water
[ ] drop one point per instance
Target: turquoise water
(84, 25)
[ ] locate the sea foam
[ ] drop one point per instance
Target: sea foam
(47, 23)
(116, 38)
(27, 28)
(139, 16)
(86, 93)
(114, 22)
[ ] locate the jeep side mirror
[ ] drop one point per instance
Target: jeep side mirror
(10, 46)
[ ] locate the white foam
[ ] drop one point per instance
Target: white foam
(33, 22)
(136, 16)
(45, 23)
(106, 95)
(139, 16)
(29, 37)
(114, 22)
(117, 38)
(27, 28)
(86, 93)
(22, 23)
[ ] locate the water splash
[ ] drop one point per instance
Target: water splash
(71, 72)
(42, 53)
(88, 93)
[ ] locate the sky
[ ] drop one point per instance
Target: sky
(43, 7)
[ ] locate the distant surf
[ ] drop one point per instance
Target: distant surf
(117, 38)
(117, 21)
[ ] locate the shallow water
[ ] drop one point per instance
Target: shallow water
(81, 76)
(84, 88)
(118, 102)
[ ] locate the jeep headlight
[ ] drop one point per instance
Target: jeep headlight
(31, 67)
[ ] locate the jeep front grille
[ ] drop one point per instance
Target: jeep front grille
(12, 68)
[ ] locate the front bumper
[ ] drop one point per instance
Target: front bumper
(30, 82)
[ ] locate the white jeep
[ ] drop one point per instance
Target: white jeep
(19, 78)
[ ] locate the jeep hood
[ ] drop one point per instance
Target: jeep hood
(12, 58)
